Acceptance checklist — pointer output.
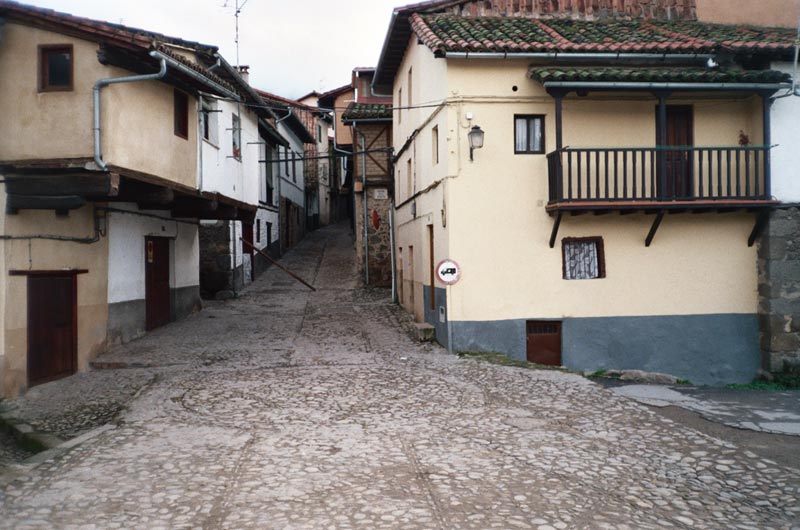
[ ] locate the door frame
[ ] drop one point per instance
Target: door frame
(679, 185)
(147, 316)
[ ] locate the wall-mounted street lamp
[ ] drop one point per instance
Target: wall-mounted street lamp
(475, 140)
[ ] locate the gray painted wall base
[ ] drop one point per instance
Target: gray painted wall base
(432, 315)
(705, 349)
(126, 320)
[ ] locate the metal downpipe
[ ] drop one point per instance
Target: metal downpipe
(364, 191)
(98, 154)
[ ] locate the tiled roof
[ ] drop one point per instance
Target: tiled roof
(91, 29)
(445, 33)
(367, 111)
(656, 75)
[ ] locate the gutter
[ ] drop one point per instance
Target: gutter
(98, 156)
(666, 86)
(195, 75)
(580, 56)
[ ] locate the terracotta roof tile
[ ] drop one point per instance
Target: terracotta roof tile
(445, 33)
(367, 111)
(656, 75)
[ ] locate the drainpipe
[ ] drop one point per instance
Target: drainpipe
(364, 191)
(391, 243)
(98, 156)
(795, 89)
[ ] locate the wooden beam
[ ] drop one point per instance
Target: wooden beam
(82, 184)
(761, 222)
(61, 204)
(654, 228)
(554, 233)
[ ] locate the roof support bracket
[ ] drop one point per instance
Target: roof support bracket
(554, 233)
(758, 227)
(654, 228)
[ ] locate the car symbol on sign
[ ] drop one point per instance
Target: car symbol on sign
(448, 272)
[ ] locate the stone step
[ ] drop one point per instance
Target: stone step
(424, 332)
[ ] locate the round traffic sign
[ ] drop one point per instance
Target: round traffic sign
(448, 271)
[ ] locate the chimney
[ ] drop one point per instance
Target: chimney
(244, 71)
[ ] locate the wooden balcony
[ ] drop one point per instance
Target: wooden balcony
(659, 178)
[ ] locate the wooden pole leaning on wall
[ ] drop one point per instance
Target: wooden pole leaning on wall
(281, 267)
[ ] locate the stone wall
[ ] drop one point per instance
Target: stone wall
(378, 235)
(215, 259)
(379, 202)
(779, 289)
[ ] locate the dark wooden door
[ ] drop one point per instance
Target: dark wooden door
(156, 282)
(680, 126)
(544, 342)
(52, 327)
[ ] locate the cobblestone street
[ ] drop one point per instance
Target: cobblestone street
(294, 409)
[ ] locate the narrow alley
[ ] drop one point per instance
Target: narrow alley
(288, 408)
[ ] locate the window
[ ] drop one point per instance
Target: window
(258, 231)
(269, 233)
(268, 156)
(319, 133)
(294, 166)
(236, 136)
(410, 179)
(286, 160)
(55, 68)
(410, 85)
(435, 144)
(399, 105)
(529, 134)
(181, 114)
(583, 258)
(209, 121)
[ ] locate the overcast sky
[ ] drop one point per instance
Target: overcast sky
(292, 46)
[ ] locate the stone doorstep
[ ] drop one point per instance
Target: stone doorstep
(424, 332)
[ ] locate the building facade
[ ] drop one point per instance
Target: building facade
(370, 120)
(607, 216)
(101, 198)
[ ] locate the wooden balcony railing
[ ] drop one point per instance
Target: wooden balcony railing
(657, 174)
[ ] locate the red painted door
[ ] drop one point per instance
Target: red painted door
(52, 327)
(544, 342)
(156, 282)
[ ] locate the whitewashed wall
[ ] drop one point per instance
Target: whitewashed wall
(126, 252)
(292, 188)
(786, 134)
(219, 171)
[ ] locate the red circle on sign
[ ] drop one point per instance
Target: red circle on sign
(448, 271)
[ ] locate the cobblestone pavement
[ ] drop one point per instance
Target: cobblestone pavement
(291, 409)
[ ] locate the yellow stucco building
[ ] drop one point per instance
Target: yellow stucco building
(610, 216)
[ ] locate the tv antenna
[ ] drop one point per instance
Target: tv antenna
(238, 6)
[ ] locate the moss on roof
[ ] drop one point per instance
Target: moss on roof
(450, 33)
(367, 111)
(655, 75)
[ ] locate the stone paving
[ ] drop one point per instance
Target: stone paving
(299, 410)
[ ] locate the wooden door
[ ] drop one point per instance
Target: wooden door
(157, 303)
(544, 342)
(52, 327)
(680, 126)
